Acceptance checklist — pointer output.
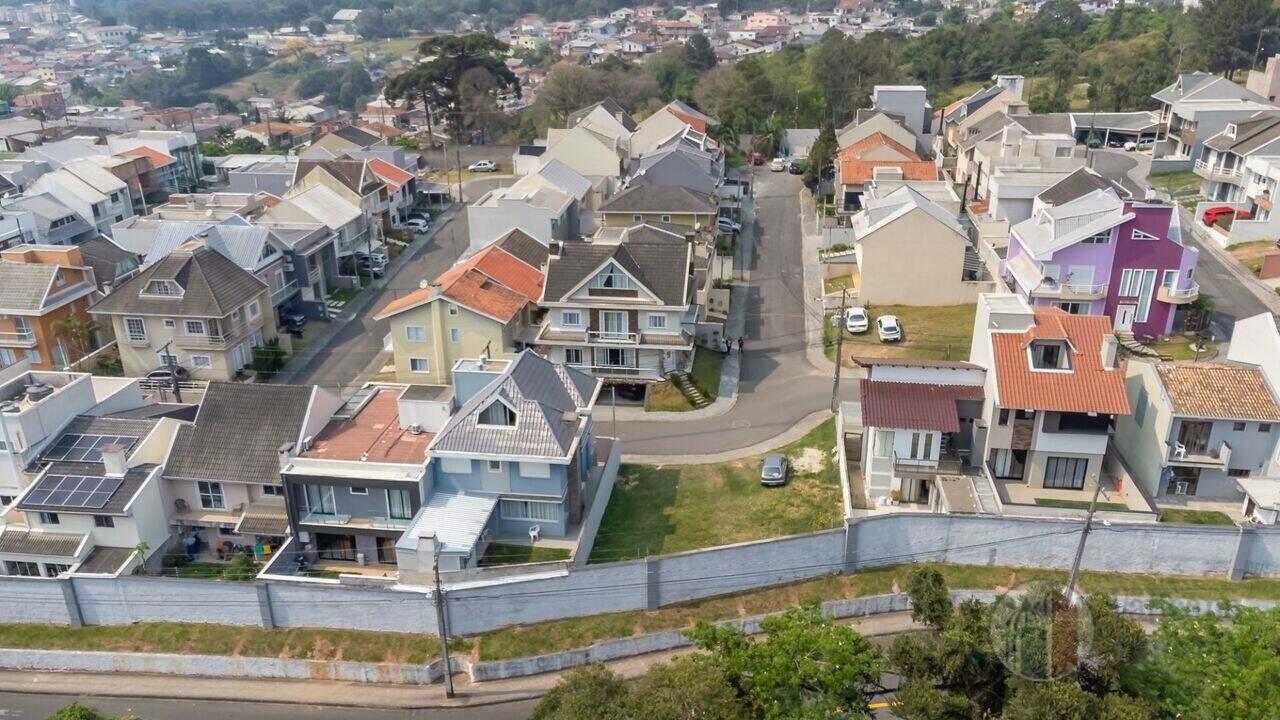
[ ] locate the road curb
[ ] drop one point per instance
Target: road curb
(797, 430)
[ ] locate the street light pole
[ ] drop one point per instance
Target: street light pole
(442, 620)
(835, 386)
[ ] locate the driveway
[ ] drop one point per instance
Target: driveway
(348, 359)
(778, 386)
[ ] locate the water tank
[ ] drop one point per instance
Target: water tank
(39, 391)
(10, 406)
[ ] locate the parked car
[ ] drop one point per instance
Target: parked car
(167, 374)
(795, 168)
(773, 471)
(483, 166)
(367, 267)
(727, 225)
(1212, 215)
(755, 158)
(1130, 146)
(419, 215)
(292, 318)
(856, 320)
(418, 225)
(376, 258)
(778, 164)
(888, 328)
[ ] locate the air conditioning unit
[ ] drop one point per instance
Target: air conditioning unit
(1182, 487)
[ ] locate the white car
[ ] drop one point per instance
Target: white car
(418, 225)
(725, 225)
(778, 164)
(856, 320)
(888, 328)
(482, 166)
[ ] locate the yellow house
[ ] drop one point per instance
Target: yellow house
(653, 204)
(479, 305)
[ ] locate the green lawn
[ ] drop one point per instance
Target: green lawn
(499, 554)
(207, 571)
(656, 510)
(1196, 517)
(837, 284)
(666, 397)
(344, 295)
(1176, 183)
(1178, 347)
(1250, 254)
(1080, 504)
(932, 333)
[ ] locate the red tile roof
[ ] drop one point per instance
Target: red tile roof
(373, 435)
(914, 406)
(157, 158)
(394, 177)
(492, 282)
(696, 123)
(854, 170)
(875, 141)
(1088, 387)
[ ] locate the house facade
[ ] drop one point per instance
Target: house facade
(1222, 164)
(45, 290)
(659, 204)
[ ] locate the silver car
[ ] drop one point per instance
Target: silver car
(773, 471)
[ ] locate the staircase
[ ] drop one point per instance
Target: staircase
(688, 389)
(1131, 344)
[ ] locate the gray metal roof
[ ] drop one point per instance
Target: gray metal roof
(24, 541)
(105, 560)
(1076, 185)
(1256, 132)
(108, 260)
(611, 106)
(523, 247)
(213, 286)
(238, 433)
(456, 519)
(1128, 121)
(660, 264)
(240, 242)
(546, 397)
(660, 199)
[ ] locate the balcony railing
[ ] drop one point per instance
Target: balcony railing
(221, 339)
(389, 523)
(620, 371)
(1220, 456)
(277, 296)
(1070, 291)
(22, 338)
(1178, 295)
(1217, 172)
(945, 465)
(319, 518)
(613, 338)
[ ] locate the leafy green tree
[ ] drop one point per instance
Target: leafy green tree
(698, 53)
(589, 693)
(920, 700)
(76, 711)
(805, 667)
(930, 599)
(1065, 700)
(685, 688)
(1228, 31)
(316, 26)
(456, 62)
(822, 155)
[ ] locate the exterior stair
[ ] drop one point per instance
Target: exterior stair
(1131, 345)
(688, 389)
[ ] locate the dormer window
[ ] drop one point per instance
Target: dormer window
(163, 288)
(267, 251)
(1050, 355)
(611, 278)
(498, 414)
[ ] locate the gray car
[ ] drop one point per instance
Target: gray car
(773, 471)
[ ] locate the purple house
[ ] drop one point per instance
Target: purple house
(1087, 250)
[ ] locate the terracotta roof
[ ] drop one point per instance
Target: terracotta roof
(696, 123)
(914, 406)
(157, 158)
(492, 282)
(394, 177)
(873, 141)
(1219, 390)
(856, 171)
(1087, 388)
(373, 435)
(868, 362)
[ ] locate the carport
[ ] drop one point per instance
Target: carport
(1137, 127)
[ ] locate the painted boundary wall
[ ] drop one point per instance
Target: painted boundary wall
(650, 583)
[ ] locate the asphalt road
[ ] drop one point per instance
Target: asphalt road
(778, 386)
(21, 706)
(341, 365)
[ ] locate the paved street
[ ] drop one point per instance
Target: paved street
(342, 363)
(22, 706)
(778, 386)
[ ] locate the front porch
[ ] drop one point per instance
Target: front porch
(1115, 496)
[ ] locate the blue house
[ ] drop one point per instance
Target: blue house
(516, 461)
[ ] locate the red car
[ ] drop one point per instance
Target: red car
(755, 158)
(1212, 215)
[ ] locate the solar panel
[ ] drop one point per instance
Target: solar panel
(84, 491)
(74, 447)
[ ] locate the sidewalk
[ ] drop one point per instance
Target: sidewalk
(815, 313)
(358, 695)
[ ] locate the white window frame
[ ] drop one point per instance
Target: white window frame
(521, 509)
(271, 490)
(193, 327)
(211, 495)
(493, 466)
(415, 333)
(425, 365)
(129, 329)
(358, 490)
(571, 318)
(1140, 235)
(454, 310)
(201, 362)
(169, 323)
(666, 218)
(1168, 278)
(657, 321)
(581, 357)
(254, 310)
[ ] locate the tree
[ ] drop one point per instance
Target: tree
(698, 53)
(589, 693)
(1064, 700)
(77, 332)
(685, 688)
(295, 47)
(920, 700)
(455, 57)
(1228, 31)
(76, 711)
(930, 600)
(822, 154)
(419, 82)
(805, 667)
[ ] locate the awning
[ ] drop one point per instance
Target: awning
(263, 519)
(24, 541)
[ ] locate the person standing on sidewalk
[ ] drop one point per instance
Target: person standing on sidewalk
(741, 342)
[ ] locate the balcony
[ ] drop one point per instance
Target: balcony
(547, 333)
(279, 296)
(1181, 455)
(916, 467)
(668, 339)
(1069, 291)
(613, 338)
(1178, 296)
(21, 338)
(620, 371)
(217, 339)
(1216, 172)
(322, 518)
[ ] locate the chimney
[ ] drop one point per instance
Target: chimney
(553, 248)
(113, 461)
(433, 289)
(1110, 345)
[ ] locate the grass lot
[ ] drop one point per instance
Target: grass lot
(1080, 504)
(933, 333)
(197, 639)
(573, 633)
(376, 53)
(656, 510)
(1250, 254)
(1196, 517)
(1178, 347)
(207, 570)
(837, 284)
(274, 80)
(499, 554)
(1177, 183)
(666, 397)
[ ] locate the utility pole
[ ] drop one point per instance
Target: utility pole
(173, 371)
(457, 149)
(835, 386)
(442, 621)
(1075, 564)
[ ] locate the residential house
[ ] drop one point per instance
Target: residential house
(1222, 163)
(1111, 129)
(195, 308)
(97, 196)
(545, 214)
(590, 152)
(953, 121)
(1053, 391)
(689, 159)
(587, 193)
(858, 165)
(1197, 428)
(911, 103)
(518, 459)
(276, 134)
(485, 302)
(668, 121)
(349, 227)
(998, 142)
(273, 175)
(918, 428)
(110, 263)
(162, 173)
(1087, 251)
(339, 142)
(868, 122)
(42, 287)
(352, 179)
(180, 145)
(618, 306)
(401, 189)
(353, 487)
(96, 507)
(1198, 106)
(223, 473)
(43, 219)
(659, 204)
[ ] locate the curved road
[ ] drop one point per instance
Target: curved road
(778, 386)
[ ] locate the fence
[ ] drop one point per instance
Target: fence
(650, 583)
